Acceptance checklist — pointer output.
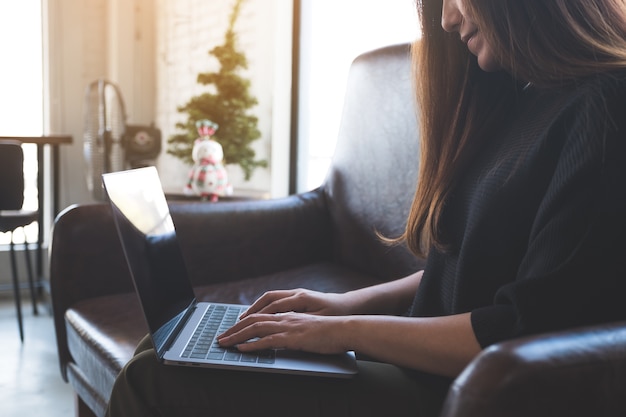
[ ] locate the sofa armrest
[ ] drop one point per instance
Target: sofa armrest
(86, 261)
(237, 240)
(574, 373)
(221, 242)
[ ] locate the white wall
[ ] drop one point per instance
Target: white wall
(85, 41)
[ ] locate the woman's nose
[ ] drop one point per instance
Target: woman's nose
(451, 17)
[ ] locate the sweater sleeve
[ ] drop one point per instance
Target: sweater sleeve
(574, 270)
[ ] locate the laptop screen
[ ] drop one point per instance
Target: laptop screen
(151, 248)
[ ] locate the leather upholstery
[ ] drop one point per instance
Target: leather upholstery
(324, 239)
(574, 373)
(373, 174)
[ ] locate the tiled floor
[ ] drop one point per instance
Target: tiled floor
(30, 380)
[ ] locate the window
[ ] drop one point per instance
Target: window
(21, 83)
(333, 33)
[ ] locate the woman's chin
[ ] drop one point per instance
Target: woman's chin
(488, 64)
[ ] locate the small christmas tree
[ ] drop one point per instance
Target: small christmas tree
(227, 106)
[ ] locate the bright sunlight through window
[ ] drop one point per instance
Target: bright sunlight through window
(334, 32)
(21, 87)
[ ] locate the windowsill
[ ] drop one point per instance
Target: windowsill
(239, 195)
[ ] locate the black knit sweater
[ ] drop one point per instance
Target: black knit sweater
(535, 230)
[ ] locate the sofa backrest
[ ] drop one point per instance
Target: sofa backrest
(373, 174)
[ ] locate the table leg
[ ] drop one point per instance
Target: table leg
(55, 181)
(40, 209)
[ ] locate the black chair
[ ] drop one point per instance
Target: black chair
(13, 216)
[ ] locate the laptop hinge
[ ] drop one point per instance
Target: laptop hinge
(165, 336)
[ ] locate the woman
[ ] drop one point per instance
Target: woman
(519, 209)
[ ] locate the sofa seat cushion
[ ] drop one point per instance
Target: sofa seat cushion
(325, 277)
(104, 331)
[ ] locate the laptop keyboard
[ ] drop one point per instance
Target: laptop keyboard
(203, 344)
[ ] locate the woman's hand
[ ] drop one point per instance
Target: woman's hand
(295, 331)
(301, 301)
(440, 345)
(392, 297)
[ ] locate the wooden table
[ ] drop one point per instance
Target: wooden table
(41, 141)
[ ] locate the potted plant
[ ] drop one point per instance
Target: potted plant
(228, 104)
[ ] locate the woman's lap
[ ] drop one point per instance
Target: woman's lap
(146, 387)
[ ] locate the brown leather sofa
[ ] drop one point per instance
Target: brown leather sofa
(325, 240)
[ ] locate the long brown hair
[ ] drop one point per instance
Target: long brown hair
(460, 106)
(551, 42)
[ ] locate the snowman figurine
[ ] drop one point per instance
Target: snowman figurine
(208, 177)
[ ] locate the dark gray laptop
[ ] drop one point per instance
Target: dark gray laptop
(183, 329)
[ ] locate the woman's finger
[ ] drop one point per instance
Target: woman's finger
(265, 300)
(257, 326)
(280, 302)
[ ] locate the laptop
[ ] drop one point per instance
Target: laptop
(175, 318)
